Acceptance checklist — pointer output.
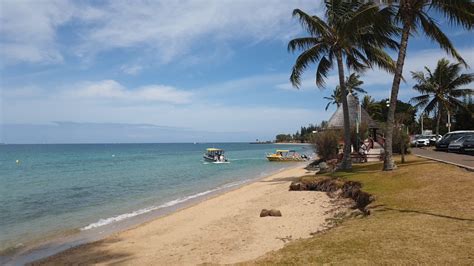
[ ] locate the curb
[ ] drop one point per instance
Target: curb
(471, 169)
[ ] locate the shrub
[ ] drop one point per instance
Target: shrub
(326, 144)
(400, 139)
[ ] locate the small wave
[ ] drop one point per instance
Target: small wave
(124, 216)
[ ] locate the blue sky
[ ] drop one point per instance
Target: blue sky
(167, 71)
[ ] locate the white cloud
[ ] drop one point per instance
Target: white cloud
(168, 29)
(172, 27)
(28, 31)
(131, 69)
(112, 90)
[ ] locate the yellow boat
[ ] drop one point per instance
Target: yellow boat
(286, 156)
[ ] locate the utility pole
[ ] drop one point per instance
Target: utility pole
(421, 123)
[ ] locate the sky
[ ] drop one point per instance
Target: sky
(168, 71)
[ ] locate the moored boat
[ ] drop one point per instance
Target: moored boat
(215, 155)
(286, 156)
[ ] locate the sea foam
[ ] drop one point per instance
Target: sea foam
(124, 216)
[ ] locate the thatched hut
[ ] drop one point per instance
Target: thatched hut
(336, 122)
(337, 119)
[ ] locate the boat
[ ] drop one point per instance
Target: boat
(286, 156)
(215, 155)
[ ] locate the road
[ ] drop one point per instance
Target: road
(462, 160)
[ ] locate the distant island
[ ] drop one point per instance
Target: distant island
(304, 135)
(262, 142)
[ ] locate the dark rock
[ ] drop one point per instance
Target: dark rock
(274, 212)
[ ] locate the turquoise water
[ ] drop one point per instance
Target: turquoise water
(61, 188)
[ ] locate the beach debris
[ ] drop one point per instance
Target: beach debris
(272, 212)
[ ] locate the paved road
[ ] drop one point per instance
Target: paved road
(462, 160)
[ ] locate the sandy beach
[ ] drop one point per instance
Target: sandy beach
(223, 229)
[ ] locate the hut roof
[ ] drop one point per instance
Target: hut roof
(337, 119)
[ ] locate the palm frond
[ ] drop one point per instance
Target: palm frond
(432, 30)
(303, 43)
(324, 66)
(309, 56)
(314, 25)
(458, 12)
(462, 80)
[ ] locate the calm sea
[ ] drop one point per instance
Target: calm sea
(56, 189)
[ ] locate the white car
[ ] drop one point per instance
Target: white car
(424, 140)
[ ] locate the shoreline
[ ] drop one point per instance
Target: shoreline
(40, 249)
(291, 143)
(186, 236)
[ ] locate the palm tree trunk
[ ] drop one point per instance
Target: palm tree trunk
(388, 161)
(346, 159)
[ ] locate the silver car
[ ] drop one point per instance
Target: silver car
(456, 145)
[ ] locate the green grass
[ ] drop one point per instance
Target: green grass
(423, 213)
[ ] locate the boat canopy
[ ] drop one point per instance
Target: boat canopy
(213, 149)
(282, 150)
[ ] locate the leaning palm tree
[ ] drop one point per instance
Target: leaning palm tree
(352, 33)
(334, 98)
(441, 89)
(352, 83)
(412, 16)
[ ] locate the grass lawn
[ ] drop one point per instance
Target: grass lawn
(423, 213)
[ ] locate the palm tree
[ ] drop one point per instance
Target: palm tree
(372, 107)
(440, 89)
(351, 32)
(412, 16)
(335, 98)
(352, 86)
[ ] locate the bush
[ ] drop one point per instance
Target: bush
(400, 139)
(326, 144)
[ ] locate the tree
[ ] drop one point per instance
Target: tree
(464, 117)
(372, 107)
(412, 16)
(441, 89)
(352, 86)
(335, 98)
(351, 33)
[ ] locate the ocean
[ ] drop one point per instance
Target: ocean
(47, 191)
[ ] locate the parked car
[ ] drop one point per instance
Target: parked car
(456, 145)
(424, 140)
(443, 143)
(468, 146)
